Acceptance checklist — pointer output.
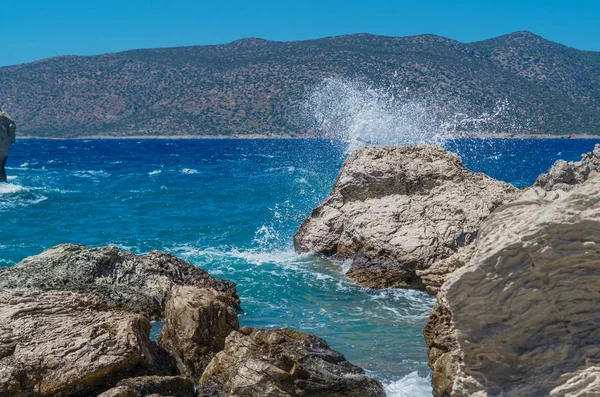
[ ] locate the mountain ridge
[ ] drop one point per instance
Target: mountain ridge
(256, 86)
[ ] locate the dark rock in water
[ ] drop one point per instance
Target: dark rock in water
(197, 323)
(66, 343)
(565, 175)
(396, 211)
(7, 137)
(137, 283)
(283, 363)
(521, 317)
(174, 386)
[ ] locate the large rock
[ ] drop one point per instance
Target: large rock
(283, 363)
(137, 283)
(7, 137)
(172, 386)
(397, 210)
(565, 175)
(521, 318)
(197, 323)
(66, 343)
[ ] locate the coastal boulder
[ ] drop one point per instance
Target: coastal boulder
(197, 323)
(395, 211)
(565, 175)
(7, 137)
(172, 386)
(521, 318)
(137, 283)
(283, 363)
(66, 343)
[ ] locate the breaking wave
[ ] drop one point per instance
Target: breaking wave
(355, 113)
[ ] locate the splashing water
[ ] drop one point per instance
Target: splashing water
(354, 113)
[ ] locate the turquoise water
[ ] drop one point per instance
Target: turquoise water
(231, 207)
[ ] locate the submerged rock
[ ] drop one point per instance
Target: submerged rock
(197, 323)
(7, 137)
(565, 175)
(521, 317)
(66, 343)
(137, 283)
(172, 386)
(283, 363)
(395, 211)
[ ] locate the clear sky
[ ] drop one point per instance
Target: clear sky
(35, 29)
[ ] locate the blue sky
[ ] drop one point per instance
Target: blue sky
(31, 30)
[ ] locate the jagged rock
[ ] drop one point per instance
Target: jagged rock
(197, 323)
(7, 137)
(175, 386)
(66, 343)
(434, 276)
(521, 317)
(283, 363)
(565, 175)
(396, 210)
(137, 283)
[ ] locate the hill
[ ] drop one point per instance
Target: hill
(254, 86)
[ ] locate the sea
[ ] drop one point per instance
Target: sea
(231, 207)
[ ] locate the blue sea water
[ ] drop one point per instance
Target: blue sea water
(231, 207)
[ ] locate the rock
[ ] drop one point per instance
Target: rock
(175, 386)
(119, 391)
(565, 175)
(66, 343)
(434, 276)
(283, 363)
(137, 283)
(197, 323)
(7, 137)
(521, 317)
(397, 210)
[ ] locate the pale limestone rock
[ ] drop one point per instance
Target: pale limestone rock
(141, 386)
(434, 276)
(65, 343)
(565, 175)
(521, 317)
(283, 363)
(7, 137)
(398, 210)
(197, 323)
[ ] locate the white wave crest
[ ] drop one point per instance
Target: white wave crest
(155, 172)
(189, 171)
(9, 188)
(411, 385)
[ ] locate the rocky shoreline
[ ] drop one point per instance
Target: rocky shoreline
(74, 321)
(516, 272)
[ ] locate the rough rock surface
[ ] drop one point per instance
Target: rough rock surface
(395, 210)
(175, 386)
(197, 323)
(521, 317)
(565, 175)
(7, 137)
(66, 343)
(283, 363)
(138, 283)
(435, 275)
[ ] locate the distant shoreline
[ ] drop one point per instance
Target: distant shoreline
(259, 136)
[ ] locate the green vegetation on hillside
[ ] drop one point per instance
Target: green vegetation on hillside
(255, 86)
